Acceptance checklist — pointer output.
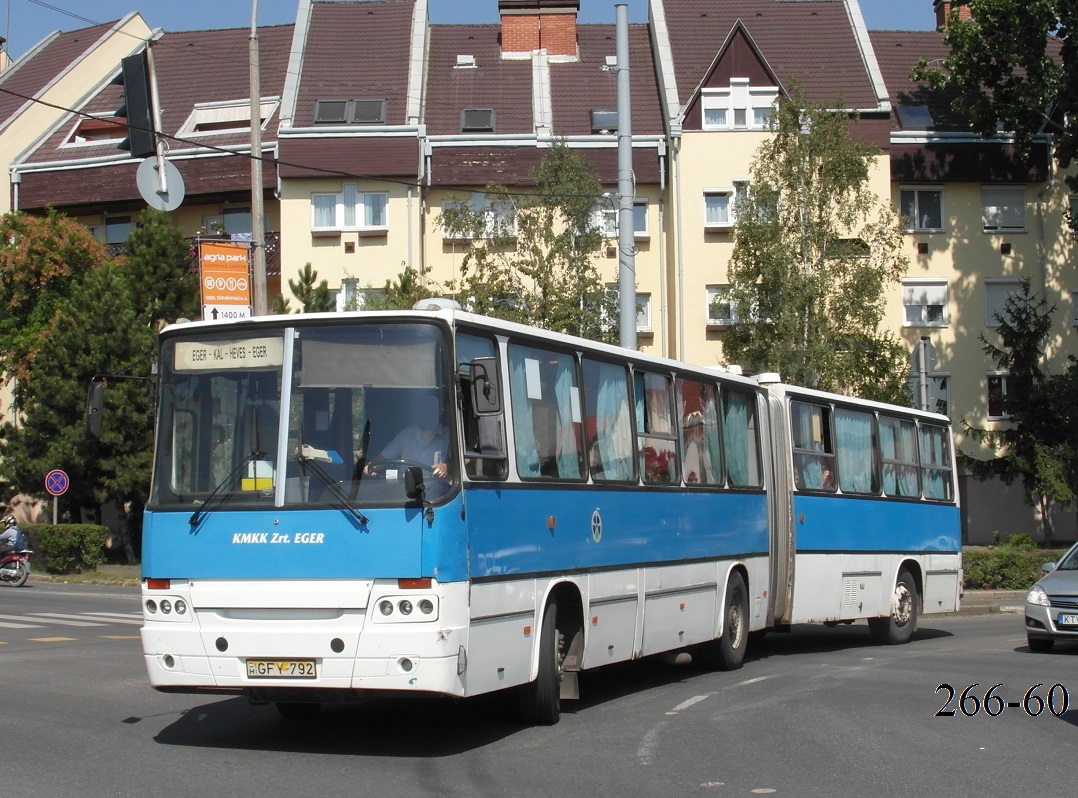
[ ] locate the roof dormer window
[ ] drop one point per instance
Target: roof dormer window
(739, 107)
(477, 120)
(233, 116)
(604, 121)
(350, 112)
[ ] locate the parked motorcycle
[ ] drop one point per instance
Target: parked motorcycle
(15, 567)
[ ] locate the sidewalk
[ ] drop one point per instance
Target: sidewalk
(983, 602)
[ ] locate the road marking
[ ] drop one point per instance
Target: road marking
(9, 625)
(686, 704)
(59, 617)
(53, 639)
(119, 637)
(116, 617)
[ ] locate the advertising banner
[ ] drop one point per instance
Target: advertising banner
(225, 269)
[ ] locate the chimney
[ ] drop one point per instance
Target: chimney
(943, 11)
(539, 25)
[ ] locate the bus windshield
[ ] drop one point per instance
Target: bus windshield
(311, 415)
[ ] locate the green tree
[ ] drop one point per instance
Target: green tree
(1014, 66)
(400, 294)
(313, 296)
(1030, 447)
(160, 269)
(531, 258)
(41, 258)
(814, 252)
(104, 332)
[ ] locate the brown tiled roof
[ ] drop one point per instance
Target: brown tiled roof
(811, 40)
(578, 87)
(193, 67)
(504, 85)
(356, 51)
(31, 73)
(897, 52)
(353, 157)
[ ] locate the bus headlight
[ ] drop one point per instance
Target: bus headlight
(396, 609)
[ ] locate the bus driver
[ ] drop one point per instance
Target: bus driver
(424, 442)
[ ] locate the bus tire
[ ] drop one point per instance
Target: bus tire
(727, 652)
(899, 626)
(540, 701)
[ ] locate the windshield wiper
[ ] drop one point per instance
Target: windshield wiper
(307, 460)
(220, 495)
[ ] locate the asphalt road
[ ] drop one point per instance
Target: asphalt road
(818, 712)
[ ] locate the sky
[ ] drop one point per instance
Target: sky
(26, 22)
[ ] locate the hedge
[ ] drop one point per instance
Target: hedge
(1005, 567)
(67, 548)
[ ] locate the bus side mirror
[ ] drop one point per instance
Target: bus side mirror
(95, 403)
(414, 486)
(486, 390)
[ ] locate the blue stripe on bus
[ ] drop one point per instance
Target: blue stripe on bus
(825, 523)
(510, 532)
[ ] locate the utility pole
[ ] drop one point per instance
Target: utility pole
(258, 232)
(626, 238)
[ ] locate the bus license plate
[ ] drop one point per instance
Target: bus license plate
(281, 669)
(1067, 620)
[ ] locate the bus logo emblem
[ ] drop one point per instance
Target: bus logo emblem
(596, 525)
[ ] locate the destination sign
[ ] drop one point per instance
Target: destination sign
(241, 353)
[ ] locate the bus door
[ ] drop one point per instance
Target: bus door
(780, 515)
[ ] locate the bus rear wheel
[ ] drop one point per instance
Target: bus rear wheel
(900, 625)
(727, 652)
(540, 701)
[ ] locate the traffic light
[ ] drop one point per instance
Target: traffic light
(137, 107)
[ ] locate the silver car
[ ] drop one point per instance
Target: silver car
(1052, 604)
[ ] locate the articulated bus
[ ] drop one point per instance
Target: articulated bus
(583, 505)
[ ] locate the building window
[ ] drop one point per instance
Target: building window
(720, 205)
(349, 209)
(996, 293)
(493, 219)
(350, 112)
(739, 107)
(117, 229)
(924, 303)
(607, 218)
(98, 130)
(997, 394)
(477, 120)
(721, 308)
(643, 307)
(352, 297)
(1072, 216)
(233, 116)
(1003, 208)
(923, 207)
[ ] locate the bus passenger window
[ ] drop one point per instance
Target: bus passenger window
(936, 462)
(655, 429)
(814, 453)
(610, 433)
(898, 455)
(701, 448)
(855, 452)
(741, 439)
(545, 397)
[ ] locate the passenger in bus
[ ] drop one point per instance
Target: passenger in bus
(424, 442)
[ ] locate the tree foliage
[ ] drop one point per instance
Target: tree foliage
(531, 258)
(1037, 445)
(41, 258)
(815, 251)
(313, 296)
(1014, 66)
(399, 294)
(160, 270)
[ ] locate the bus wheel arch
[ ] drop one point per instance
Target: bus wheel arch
(557, 657)
(727, 651)
(900, 623)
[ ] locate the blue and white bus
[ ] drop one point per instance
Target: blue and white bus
(592, 505)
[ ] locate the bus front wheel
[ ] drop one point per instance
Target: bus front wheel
(727, 652)
(900, 625)
(540, 701)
